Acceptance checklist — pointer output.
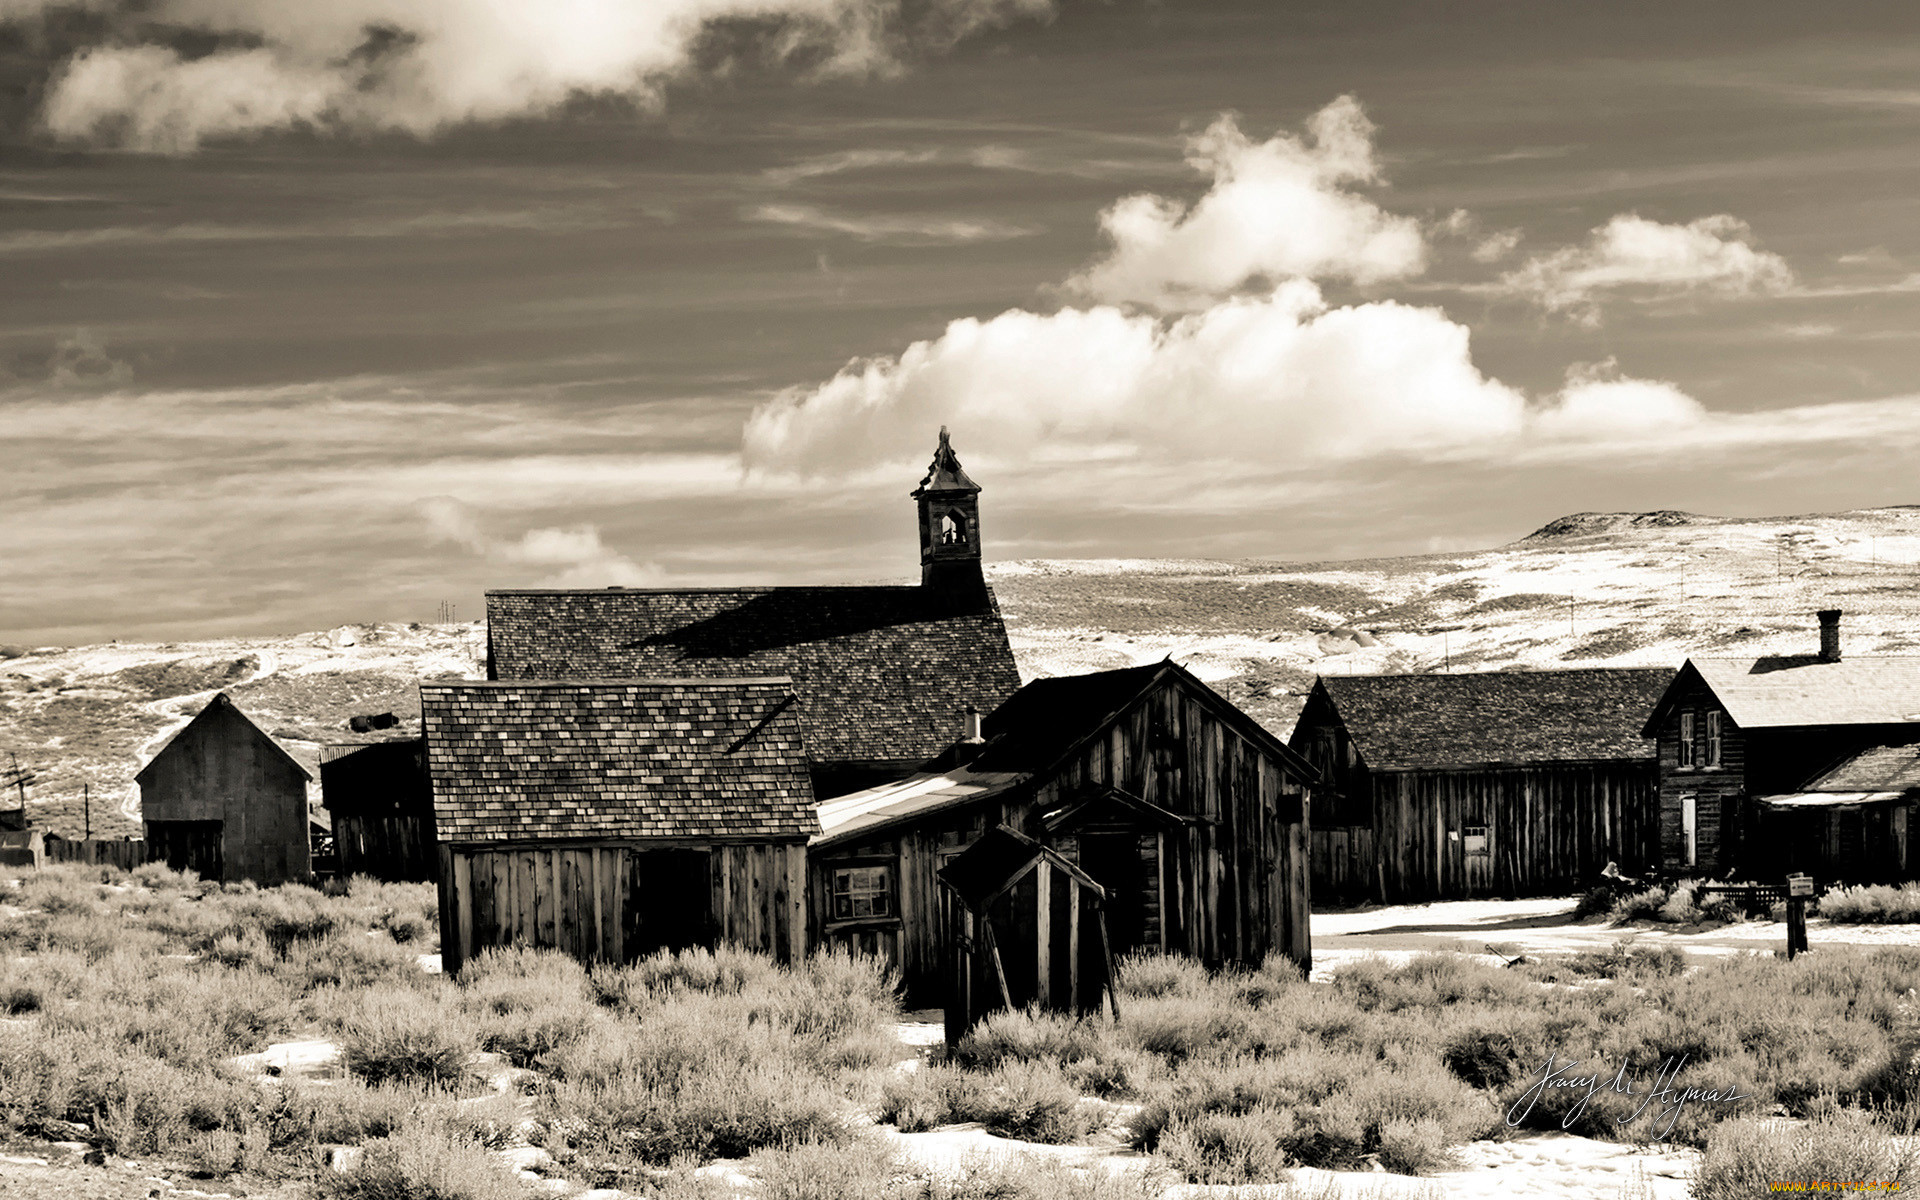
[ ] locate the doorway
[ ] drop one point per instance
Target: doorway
(1123, 864)
(669, 901)
(188, 846)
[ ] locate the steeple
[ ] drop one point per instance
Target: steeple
(949, 524)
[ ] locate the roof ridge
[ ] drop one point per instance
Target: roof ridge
(731, 681)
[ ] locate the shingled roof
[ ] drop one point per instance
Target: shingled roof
(883, 674)
(1876, 769)
(538, 761)
(1498, 718)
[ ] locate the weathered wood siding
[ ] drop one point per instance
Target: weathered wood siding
(381, 802)
(596, 900)
(125, 853)
(1548, 829)
(222, 769)
(393, 846)
(1230, 887)
(1345, 868)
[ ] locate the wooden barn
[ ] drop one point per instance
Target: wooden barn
(1797, 762)
(1027, 930)
(614, 819)
(882, 675)
(1189, 814)
(381, 805)
(227, 801)
(1511, 783)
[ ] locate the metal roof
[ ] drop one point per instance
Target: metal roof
(1778, 691)
(844, 818)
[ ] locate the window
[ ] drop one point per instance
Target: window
(1687, 756)
(1713, 740)
(1690, 826)
(1474, 841)
(862, 892)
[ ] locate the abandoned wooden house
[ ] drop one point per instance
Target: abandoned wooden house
(224, 799)
(381, 805)
(1183, 809)
(882, 674)
(1027, 928)
(613, 819)
(1510, 783)
(1802, 762)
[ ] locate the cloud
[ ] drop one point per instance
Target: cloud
(419, 66)
(582, 560)
(1632, 253)
(1600, 403)
(896, 229)
(1496, 246)
(1277, 209)
(1279, 378)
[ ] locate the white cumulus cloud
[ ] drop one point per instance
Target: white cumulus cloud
(421, 65)
(1278, 209)
(1632, 253)
(1280, 379)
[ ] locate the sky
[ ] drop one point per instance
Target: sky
(337, 312)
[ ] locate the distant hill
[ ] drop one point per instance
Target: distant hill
(1589, 589)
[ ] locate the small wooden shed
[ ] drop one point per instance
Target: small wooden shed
(1029, 928)
(614, 819)
(225, 800)
(23, 848)
(381, 805)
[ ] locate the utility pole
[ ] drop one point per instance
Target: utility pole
(86, 807)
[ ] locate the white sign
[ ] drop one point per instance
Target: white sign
(1799, 885)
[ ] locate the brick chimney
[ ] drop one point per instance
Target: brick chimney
(1830, 635)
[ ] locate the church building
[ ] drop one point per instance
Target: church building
(882, 676)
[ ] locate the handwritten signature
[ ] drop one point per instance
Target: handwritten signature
(1668, 1095)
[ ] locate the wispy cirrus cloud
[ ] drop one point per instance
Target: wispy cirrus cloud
(894, 228)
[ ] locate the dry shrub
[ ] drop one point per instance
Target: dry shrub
(425, 1159)
(407, 1035)
(1743, 1157)
(1878, 904)
(863, 1169)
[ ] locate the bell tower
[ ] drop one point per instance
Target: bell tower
(949, 525)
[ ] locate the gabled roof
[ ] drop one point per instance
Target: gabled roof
(1779, 691)
(221, 709)
(1876, 769)
(1042, 724)
(997, 860)
(883, 674)
(645, 758)
(1498, 718)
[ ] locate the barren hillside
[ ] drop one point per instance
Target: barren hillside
(1589, 589)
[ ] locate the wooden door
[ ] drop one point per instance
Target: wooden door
(188, 846)
(1476, 844)
(669, 901)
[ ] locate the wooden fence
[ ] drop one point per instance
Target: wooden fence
(125, 853)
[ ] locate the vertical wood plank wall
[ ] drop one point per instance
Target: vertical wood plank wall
(577, 898)
(385, 845)
(1550, 829)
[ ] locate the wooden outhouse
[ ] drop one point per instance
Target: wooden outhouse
(1791, 762)
(1027, 929)
(1188, 814)
(614, 819)
(882, 675)
(227, 801)
(1514, 783)
(381, 805)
